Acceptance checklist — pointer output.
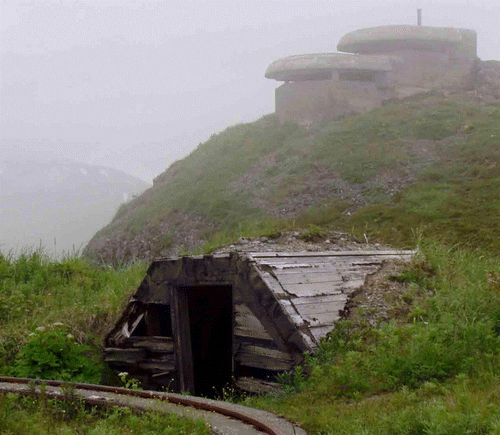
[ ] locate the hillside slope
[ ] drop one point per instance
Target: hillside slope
(425, 166)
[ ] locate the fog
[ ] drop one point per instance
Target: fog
(136, 85)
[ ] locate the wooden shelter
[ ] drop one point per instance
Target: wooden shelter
(198, 323)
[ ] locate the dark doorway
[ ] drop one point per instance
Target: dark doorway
(210, 311)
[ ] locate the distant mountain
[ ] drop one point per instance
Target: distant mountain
(58, 204)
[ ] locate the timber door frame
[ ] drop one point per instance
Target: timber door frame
(181, 331)
(182, 338)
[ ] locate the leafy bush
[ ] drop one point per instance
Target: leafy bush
(36, 290)
(54, 354)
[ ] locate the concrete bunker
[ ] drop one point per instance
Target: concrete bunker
(377, 64)
(198, 324)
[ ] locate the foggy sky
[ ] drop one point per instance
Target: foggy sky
(136, 85)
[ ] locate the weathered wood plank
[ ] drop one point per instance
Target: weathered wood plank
(322, 289)
(156, 344)
(182, 335)
(311, 262)
(161, 356)
(320, 267)
(313, 309)
(171, 382)
(127, 356)
(247, 324)
(267, 308)
(320, 332)
(244, 331)
(268, 359)
(155, 366)
(308, 338)
(322, 319)
(328, 270)
(273, 285)
(338, 296)
(127, 329)
(287, 305)
(253, 385)
(239, 340)
(159, 293)
(389, 253)
(318, 288)
(305, 277)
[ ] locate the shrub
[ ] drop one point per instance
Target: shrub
(54, 354)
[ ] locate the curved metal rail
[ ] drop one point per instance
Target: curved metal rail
(188, 401)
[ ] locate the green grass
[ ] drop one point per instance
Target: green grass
(37, 291)
(463, 406)
(446, 148)
(433, 369)
(69, 416)
(54, 314)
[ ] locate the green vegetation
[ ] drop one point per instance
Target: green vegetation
(53, 317)
(424, 171)
(433, 369)
(44, 416)
(54, 354)
(427, 165)
(43, 300)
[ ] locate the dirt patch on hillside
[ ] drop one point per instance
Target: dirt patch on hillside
(387, 296)
(284, 197)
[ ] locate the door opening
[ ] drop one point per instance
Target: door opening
(210, 311)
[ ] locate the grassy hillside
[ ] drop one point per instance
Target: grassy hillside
(427, 166)
(432, 368)
(421, 172)
(42, 299)
(53, 318)
(420, 350)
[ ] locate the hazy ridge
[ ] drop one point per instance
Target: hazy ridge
(58, 203)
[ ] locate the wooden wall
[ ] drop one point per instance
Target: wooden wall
(282, 305)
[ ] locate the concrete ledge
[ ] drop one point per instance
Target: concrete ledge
(373, 39)
(316, 66)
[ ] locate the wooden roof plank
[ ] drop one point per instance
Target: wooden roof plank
(312, 309)
(256, 255)
(322, 268)
(339, 296)
(322, 289)
(306, 278)
(321, 319)
(320, 332)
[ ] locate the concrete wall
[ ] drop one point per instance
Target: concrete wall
(414, 72)
(307, 102)
(439, 59)
(420, 71)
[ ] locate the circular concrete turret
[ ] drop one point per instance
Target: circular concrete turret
(320, 66)
(388, 62)
(387, 39)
